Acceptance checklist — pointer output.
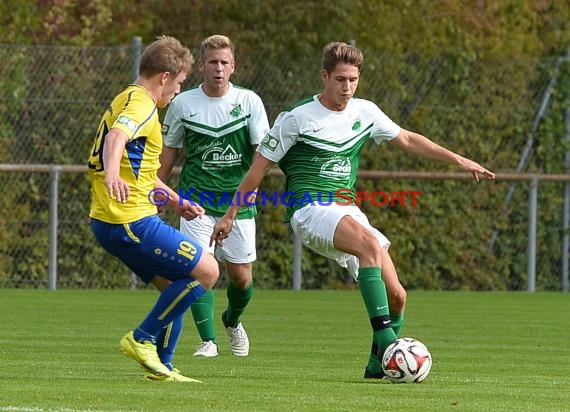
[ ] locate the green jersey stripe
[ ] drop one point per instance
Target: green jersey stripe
(333, 145)
(216, 129)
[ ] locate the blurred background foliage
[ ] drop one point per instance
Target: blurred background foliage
(469, 74)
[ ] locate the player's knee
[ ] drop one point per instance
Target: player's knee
(209, 279)
(212, 275)
(240, 275)
(207, 272)
(370, 254)
(241, 282)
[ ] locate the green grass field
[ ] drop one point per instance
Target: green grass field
(491, 352)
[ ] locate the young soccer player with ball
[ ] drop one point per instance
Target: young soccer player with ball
(317, 144)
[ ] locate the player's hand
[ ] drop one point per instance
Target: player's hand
(117, 188)
(221, 230)
(189, 211)
(477, 170)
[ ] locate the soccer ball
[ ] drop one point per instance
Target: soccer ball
(406, 360)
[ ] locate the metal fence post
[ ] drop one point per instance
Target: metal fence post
(532, 217)
(137, 51)
(297, 262)
(566, 212)
(53, 224)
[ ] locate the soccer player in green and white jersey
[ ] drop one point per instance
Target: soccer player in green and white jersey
(317, 144)
(219, 125)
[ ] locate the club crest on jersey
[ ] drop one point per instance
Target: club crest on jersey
(356, 125)
(236, 111)
(270, 142)
(130, 124)
(218, 158)
(165, 128)
(337, 168)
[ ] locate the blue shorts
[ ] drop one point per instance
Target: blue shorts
(149, 247)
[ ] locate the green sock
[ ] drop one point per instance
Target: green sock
(397, 322)
(374, 364)
(237, 302)
(373, 291)
(203, 314)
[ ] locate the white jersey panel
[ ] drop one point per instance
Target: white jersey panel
(218, 135)
(325, 129)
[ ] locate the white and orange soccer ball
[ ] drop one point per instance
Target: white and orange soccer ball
(406, 360)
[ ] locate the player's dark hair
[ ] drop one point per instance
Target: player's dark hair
(338, 52)
(165, 54)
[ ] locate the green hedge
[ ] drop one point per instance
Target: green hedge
(473, 81)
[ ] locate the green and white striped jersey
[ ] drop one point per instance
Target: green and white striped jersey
(318, 149)
(218, 135)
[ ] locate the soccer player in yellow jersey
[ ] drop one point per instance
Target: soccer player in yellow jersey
(125, 190)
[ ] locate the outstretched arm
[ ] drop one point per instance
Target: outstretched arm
(249, 183)
(420, 145)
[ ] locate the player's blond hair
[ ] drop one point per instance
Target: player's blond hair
(338, 52)
(215, 42)
(165, 54)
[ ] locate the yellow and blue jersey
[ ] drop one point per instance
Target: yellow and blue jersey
(134, 112)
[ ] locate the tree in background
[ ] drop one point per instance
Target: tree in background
(469, 73)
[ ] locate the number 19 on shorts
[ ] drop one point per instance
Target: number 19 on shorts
(187, 249)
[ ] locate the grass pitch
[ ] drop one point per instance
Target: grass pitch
(491, 351)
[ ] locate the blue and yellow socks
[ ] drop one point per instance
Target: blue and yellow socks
(168, 339)
(173, 302)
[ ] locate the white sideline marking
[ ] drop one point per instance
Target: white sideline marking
(36, 409)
